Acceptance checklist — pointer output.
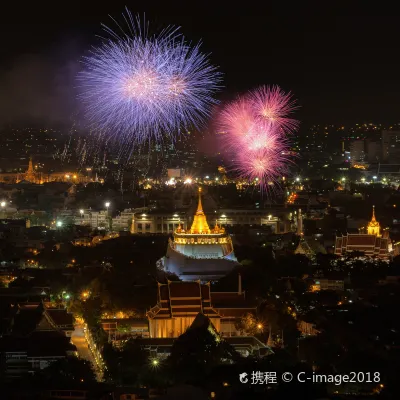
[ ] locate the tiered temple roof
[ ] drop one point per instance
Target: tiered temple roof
(182, 299)
(177, 299)
(372, 244)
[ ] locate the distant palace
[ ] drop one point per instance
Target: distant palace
(200, 253)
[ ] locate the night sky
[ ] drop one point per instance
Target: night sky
(342, 65)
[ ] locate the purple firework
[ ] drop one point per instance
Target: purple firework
(139, 87)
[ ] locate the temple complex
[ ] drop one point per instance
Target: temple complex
(372, 243)
(179, 303)
(200, 252)
(33, 176)
(186, 305)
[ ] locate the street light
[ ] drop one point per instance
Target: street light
(3, 204)
(81, 212)
(59, 224)
(107, 204)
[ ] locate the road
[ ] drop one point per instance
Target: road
(79, 340)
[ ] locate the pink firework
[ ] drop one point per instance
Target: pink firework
(273, 105)
(256, 139)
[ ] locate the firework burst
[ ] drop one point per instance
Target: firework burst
(273, 105)
(136, 87)
(257, 140)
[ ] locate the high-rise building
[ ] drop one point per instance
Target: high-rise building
(357, 152)
(374, 151)
(391, 147)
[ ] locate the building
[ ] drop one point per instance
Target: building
(357, 152)
(371, 243)
(34, 337)
(374, 151)
(178, 304)
(200, 252)
(181, 305)
(119, 329)
(92, 219)
(123, 221)
(327, 284)
(278, 224)
(391, 147)
(158, 222)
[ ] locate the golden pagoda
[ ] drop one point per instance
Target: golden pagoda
(200, 252)
(373, 227)
(30, 175)
(200, 225)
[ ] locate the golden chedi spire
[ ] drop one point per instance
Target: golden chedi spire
(373, 227)
(30, 173)
(200, 225)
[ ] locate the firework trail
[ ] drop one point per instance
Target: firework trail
(257, 134)
(136, 88)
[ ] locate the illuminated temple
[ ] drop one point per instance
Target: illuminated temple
(33, 176)
(372, 243)
(200, 253)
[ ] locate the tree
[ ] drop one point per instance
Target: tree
(197, 352)
(128, 366)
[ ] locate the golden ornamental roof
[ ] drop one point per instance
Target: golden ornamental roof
(373, 223)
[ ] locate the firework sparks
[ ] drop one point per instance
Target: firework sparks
(257, 125)
(273, 105)
(138, 87)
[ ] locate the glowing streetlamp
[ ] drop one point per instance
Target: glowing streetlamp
(59, 224)
(81, 212)
(155, 363)
(3, 204)
(343, 179)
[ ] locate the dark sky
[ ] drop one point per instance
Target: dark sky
(343, 65)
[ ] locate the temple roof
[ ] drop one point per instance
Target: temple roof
(191, 298)
(304, 248)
